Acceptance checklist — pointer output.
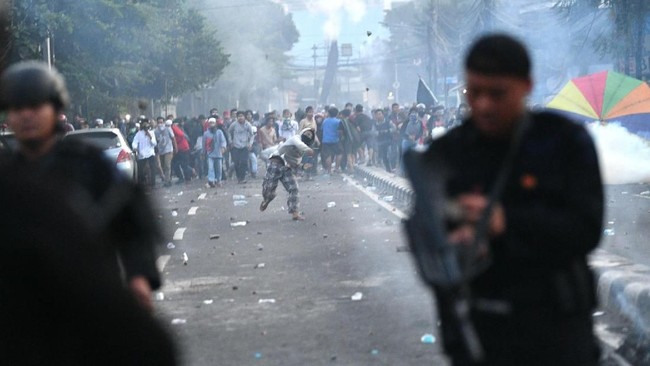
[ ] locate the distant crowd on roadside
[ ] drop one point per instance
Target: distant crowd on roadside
(230, 144)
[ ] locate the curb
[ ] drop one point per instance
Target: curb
(623, 286)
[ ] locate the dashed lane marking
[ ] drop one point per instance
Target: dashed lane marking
(178, 235)
(161, 262)
(202, 196)
(192, 210)
(375, 197)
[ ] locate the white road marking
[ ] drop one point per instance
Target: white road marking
(161, 262)
(192, 210)
(202, 196)
(178, 235)
(375, 197)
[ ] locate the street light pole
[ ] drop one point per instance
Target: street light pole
(315, 48)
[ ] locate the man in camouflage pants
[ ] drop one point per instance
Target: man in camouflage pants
(282, 163)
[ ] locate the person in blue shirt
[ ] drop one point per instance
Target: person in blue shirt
(331, 143)
(214, 145)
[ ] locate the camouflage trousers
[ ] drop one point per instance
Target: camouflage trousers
(276, 172)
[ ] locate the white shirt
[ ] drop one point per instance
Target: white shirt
(288, 130)
(144, 145)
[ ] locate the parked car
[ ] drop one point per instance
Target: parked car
(114, 145)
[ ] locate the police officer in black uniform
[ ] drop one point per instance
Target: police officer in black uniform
(533, 303)
(117, 211)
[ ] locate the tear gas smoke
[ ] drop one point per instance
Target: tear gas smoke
(624, 157)
(354, 10)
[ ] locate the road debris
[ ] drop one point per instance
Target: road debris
(185, 259)
(357, 296)
(208, 302)
(267, 301)
(260, 265)
(160, 296)
(238, 223)
(403, 249)
(428, 338)
(179, 321)
(171, 245)
(331, 204)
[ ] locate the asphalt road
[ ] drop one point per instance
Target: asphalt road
(279, 292)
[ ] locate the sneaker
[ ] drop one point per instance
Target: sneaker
(265, 203)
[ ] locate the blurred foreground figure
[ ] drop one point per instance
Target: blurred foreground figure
(522, 207)
(61, 303)
(33, 97)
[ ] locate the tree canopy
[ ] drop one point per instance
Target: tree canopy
(114, 51)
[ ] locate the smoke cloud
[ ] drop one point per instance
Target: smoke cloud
(624, 157)
(336, 10)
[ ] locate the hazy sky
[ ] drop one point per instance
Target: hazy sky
(346, 20)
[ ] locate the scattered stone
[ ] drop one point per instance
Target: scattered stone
(214, 236)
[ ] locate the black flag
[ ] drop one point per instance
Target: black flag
(425, 96)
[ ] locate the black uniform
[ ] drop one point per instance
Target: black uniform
(110, 205)
(533, 305)
(61, 303)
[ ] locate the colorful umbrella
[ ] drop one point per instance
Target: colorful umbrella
(607, 96)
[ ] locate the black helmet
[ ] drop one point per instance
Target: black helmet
(31, 83)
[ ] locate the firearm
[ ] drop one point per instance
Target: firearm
(443, 266)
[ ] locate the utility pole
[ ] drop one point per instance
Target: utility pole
(315, 48)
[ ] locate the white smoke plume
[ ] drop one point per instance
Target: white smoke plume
(334, 10)
(624, 157)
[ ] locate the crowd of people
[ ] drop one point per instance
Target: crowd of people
(229, 144)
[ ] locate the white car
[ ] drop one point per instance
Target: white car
(114, 145)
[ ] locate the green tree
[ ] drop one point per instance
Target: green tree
(115, 51)
(435, 32)
(627, 37)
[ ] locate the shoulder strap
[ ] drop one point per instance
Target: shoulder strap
(500, 182)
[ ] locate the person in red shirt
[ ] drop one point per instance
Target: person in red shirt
(181, 161)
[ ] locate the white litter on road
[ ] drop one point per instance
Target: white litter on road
(192, 210)
(202, 196)
(161, 262)
(267, 301)
(238, 223)
(208, 302)
(185, 258)
(179, 321)
(178, 234)
(357, 296)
